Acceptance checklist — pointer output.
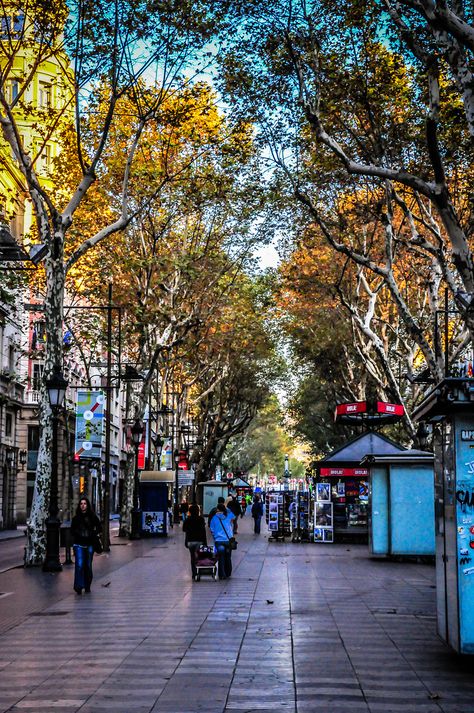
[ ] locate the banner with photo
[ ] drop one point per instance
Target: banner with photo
(89, 424)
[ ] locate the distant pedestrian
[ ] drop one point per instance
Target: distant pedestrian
(170, 513)
(183, 509)
(222, 532)
(243, 505)
(212, 512)
(234, 506)
(257, 514)
(85, 528)
(194, 528)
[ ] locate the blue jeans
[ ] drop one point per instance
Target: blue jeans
(224, 560)
(83, 566)
(256, 524)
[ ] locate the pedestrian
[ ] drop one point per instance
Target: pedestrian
(243, 505)
(222, 532)
(85, 529)
(194, 528)
(234, 506)
(257, 514)
(213, 511)
(170, 513)
(183, 509)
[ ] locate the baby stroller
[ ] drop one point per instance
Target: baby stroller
(205, 561)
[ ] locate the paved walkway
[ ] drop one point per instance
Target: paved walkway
(297, 628)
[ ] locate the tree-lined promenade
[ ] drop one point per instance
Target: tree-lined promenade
(158, 146)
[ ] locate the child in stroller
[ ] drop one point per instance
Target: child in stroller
(205, 560)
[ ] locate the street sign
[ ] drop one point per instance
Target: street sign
(185, 477)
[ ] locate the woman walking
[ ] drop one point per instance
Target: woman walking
(195, 529)
(85, 528)
(222, 532)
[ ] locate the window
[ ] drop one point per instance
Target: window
(46, 158)
(11, 359)
(8, 425)
(38, 335)
(11, 26)
(13, 90)
(44, 94)
(38, 370)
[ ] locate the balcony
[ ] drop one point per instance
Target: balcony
(33, 397)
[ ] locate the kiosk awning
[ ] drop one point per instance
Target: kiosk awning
(157, 476)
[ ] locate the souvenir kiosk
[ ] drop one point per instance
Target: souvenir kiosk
(401, 504)
(156, 487)
(449, 407)
(341, 488)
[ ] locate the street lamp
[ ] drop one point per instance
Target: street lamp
(176, 486)
(137, 433)
(56, 387)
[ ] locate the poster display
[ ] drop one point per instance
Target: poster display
(323, 522)
(89, 424)
(274, 504)
(153, 523)
(323, 492)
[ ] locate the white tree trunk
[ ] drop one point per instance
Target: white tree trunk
(54, 302)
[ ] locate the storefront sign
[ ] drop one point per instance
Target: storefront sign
(344, 472)
(394, 409)
(348, 409)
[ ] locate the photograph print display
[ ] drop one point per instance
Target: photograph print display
(323, 492)
(328, 534)
(318, 534)
(323, 514)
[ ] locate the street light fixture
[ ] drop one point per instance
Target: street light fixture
(56, 387)
(137, 434)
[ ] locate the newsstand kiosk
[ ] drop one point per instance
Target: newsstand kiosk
(401, 504)
(450, 408)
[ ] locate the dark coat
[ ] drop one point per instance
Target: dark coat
(195, 529)
(234, 506)
(257, 509)
(84, 528)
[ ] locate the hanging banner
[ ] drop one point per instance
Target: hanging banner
(166, 460)
(89, 424)
(142, 450)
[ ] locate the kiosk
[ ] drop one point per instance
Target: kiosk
(450, 408)
(401, 504)
(155, 493)
(208, 493)
(342, 488)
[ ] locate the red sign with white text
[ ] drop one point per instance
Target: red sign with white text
(348, 409)
(344, 472)
(395, 409)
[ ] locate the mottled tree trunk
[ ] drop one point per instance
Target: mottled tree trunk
(54, 302)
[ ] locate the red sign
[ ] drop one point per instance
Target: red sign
(395, 409)
(141, 452)
(348, 409)
(344, 472)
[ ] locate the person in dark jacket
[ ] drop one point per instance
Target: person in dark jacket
(234, 506)
(85, 527)
(257, 514)
(220, 500)
(194, 528)
(184, 509)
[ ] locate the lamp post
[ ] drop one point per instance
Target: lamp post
(56, 387)
(137, 433)
(176, 485)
